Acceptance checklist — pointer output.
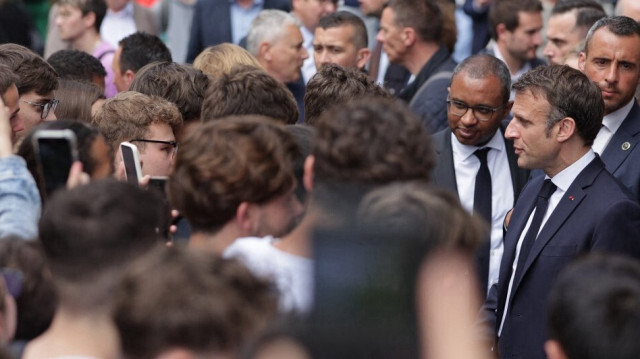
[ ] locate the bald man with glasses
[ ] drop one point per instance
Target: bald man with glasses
(474, 160)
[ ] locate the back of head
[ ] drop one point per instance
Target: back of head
(587, 12)
(179, 84)
(570, 94)
(506, 12)
(98, 7)
(129, 114)
(220, 59)
(420, 214)
(178, 299)
(594, 308)
(229, 161)
(347, 18)
(334, 85)
(76, 65)
(269, 26)
(34, 74)
(371, 141)
(139, 49)
(249, 91)
(76, 99)
(412, 13)
(89, 232)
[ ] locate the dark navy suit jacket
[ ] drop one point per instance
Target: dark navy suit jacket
(211, 23)
(622, 154)
(444, 175)
(595, 214)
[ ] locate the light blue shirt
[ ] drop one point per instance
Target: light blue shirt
(241, 18)
(19, 199)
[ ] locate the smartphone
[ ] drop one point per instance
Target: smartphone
(131, 159)
(56, 150)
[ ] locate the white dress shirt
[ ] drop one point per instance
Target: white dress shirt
(466, 165)
(309, 65)
(118, 25)
(610, 124)
(563, 181)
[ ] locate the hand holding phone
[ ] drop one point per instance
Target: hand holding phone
(55, 153)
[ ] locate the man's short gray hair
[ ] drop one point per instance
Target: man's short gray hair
(268, 26)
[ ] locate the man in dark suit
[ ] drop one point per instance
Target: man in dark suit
(477, 104)
(611, 59)
(212, 21)
(577, 207)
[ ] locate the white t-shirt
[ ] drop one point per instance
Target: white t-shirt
(292, 274)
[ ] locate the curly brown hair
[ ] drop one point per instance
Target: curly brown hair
(229, 161)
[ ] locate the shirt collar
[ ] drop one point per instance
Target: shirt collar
(565, 178)
(613, 120)
(127, 11)
(307, 36)
(465, 151)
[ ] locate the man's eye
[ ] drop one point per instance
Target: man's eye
(459, 105)
(483, 110)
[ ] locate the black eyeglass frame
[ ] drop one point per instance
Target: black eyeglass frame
(175, 144)
(46, 107)
(493, 110)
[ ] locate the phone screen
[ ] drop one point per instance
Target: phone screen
(56, 158)
(131, 164)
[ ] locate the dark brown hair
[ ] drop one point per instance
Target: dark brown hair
(34, 74)
(506, 12)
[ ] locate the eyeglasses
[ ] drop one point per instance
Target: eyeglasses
(46, 107)
(482, 113)
(173, 144)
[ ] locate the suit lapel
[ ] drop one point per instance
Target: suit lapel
(444, 173)
(567, 205)
(623, 141)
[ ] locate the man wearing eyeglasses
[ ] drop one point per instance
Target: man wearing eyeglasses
(148, 122)
(36, 82)
(474, 160)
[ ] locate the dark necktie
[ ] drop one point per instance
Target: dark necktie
(542, 203)
(482, 191)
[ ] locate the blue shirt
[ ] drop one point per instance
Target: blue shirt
(19, 199)
(241, 18)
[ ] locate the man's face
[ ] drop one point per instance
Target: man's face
(118, 79)
(535, 146)
(31, 109)
(335, 45)
(10, 98)
(485, 92)
(562, 38)
(157, 158)
(278, 216)
(612, 62)
(391, 36)
(70, 22)
(309, 12)
(523, 42)
(286, 55)
(372, 7)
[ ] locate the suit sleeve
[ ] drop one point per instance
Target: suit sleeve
(195, 37)
(431, 105)
(619, 229)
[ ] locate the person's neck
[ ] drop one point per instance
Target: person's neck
(513, 64)
(215, 242)
(566, 157)
(77, 334)
(87, 42)
(245, 4)
(419, 55)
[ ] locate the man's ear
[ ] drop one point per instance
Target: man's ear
(501, 30)
(408, 36)
(307, 176)
(566, 129)
(362, 57)
(89, 19)
(582, 59)
(264, 51)
(243, 217)
(128, 76)
(554, 350)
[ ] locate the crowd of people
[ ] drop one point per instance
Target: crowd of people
(322, 179)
